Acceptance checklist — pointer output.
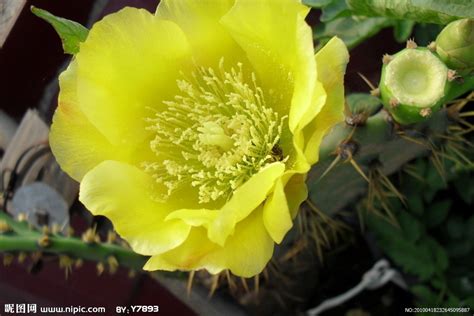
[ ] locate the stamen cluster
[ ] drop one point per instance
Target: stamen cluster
(215, 134)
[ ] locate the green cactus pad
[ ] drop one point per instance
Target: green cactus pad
(413, 85)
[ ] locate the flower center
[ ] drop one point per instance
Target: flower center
(215, 134)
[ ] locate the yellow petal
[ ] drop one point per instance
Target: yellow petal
(276, 214)
(77, 145)
(194, 217)
(331, 61)
(199, 19)
(279, 45)
(127, 67)
(244, 200)
(188, 256)
(245, 253)
(296, 192)
(124, 194)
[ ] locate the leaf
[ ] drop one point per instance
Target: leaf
(425, 294)
(335, 9)
(452, 301)
(439, 253)
(415, 204)
(437, 213)
(433, 178)
(70, 32)
(470, 228)
(413, 258)
(465, 187)
(429, 194)
(317, 3)
(382, 228)
(460, 248)
(456, 227)
(469, 302)
(402, 29)
(429, 11)
(412, 228)
(350, 30)
(462, 285)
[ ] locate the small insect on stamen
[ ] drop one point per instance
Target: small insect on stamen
(277, 153)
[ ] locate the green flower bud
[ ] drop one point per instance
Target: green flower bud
(455, 45)
(413, 85)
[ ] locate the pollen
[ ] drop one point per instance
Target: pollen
(214, 135)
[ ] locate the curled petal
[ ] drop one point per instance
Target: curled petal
(245, 253)
(276, 213)
(199, 19)
(331, 61)
(244, 201)
(285, 63)
(124, 194)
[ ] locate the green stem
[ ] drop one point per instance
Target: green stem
(24, 239)
(74, 247)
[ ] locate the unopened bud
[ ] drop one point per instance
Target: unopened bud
(455, 45)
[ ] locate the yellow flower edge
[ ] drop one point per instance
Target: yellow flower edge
(133, 78)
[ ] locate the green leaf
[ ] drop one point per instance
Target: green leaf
(415, 204)
(456, 227)
(412, 228)
(460, 248)
(402, 29)
(413, 258)
(433, 178)
(470, 228)
(437, 213)
(462, 285)
(317, 3)
(465, 187)
(452, 301)
(469, 302)
(70, 32)
(429, 11)
(335, 9)
(351, 31)
(429, 194)
(425, 294)
(439, 253)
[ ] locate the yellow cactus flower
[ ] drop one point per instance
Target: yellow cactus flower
(193, 129)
